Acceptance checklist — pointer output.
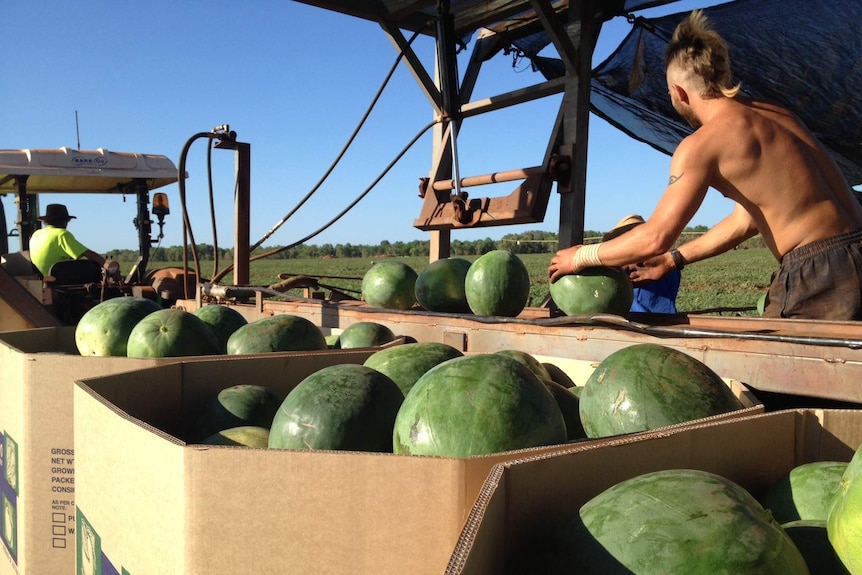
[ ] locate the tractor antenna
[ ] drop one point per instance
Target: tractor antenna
(77, 130)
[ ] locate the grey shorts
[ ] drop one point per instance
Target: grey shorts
(820, 280)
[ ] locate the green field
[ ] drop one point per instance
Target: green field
(729, 284)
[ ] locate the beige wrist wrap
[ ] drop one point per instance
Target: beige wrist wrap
(586, 257)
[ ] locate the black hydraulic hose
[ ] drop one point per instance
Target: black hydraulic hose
(187, 227)
(400, 154)
(362, 195)
(212, 205)
(659, 331)
(340, 155)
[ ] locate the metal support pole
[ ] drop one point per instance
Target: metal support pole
(576, 121)
(449, 80)
(4, 233)
(28, 212)
(242, 215)
(447, 77)
(144, 227)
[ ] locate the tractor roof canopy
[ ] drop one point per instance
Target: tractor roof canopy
(65, 170)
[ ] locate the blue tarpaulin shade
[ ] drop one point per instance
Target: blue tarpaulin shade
(802, 54)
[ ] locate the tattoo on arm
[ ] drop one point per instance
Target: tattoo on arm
(674, 178)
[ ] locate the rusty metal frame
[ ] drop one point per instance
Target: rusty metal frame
(815, 359)
(443, 211)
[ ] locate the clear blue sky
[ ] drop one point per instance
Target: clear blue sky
(293, 81)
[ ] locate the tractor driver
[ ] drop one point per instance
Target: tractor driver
(55, 243)
(785, 184)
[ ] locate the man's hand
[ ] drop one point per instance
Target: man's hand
(651, 270)
(562, 264)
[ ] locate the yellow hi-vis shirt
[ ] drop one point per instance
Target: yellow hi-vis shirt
(50, 245)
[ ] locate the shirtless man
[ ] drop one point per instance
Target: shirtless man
(785, 184)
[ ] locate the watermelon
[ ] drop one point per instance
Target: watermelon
(405, 364)
(390, 284)
(558, 375)
(365, 334)
(844, 524)
(341, 407)
(477, 405)
(223, 320)
(283, 332)
(171, 333)
(239, 405)
(812, 539)
(805, 492)
(593, 290)
(104, 329)
(529, 361)
(497, 284)
(569, 405)
(246, 435)
(646, 386)
(675, 521)
(440, 286)
(566, 400)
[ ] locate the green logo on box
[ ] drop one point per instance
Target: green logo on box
(10, 525)
(89, 547)
(9, 495)
(10, 461)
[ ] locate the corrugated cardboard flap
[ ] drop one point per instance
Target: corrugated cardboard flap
(522, 498)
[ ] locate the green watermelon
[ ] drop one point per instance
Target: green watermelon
(569, 405)
(844, 524)
(405, 364)
(477, 405)
(171, 333)
(646, 386)
(239, 405)
(246, 435)
(594, 290)
(440, 286)
(283, 332)
(567, 401)
(530, 362)
(104, 329)
(812, 539)
(333, 341)
(346, 407)
(497, 284)
(365, 334)
(675, 521)
(558, 375)
(390, 284)
(223, 320)
(805, 492)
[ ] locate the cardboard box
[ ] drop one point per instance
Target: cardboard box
(149, 503)
(526, 498)
(38, 368)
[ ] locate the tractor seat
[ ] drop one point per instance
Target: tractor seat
(75, 272)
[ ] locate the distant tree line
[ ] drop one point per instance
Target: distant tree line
(533, 242)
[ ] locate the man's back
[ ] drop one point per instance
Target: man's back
(774, 167)
(51, 244)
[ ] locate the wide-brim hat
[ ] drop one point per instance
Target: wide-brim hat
(622, 226)
(56, 212)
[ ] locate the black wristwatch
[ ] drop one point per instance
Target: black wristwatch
(678, 260)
